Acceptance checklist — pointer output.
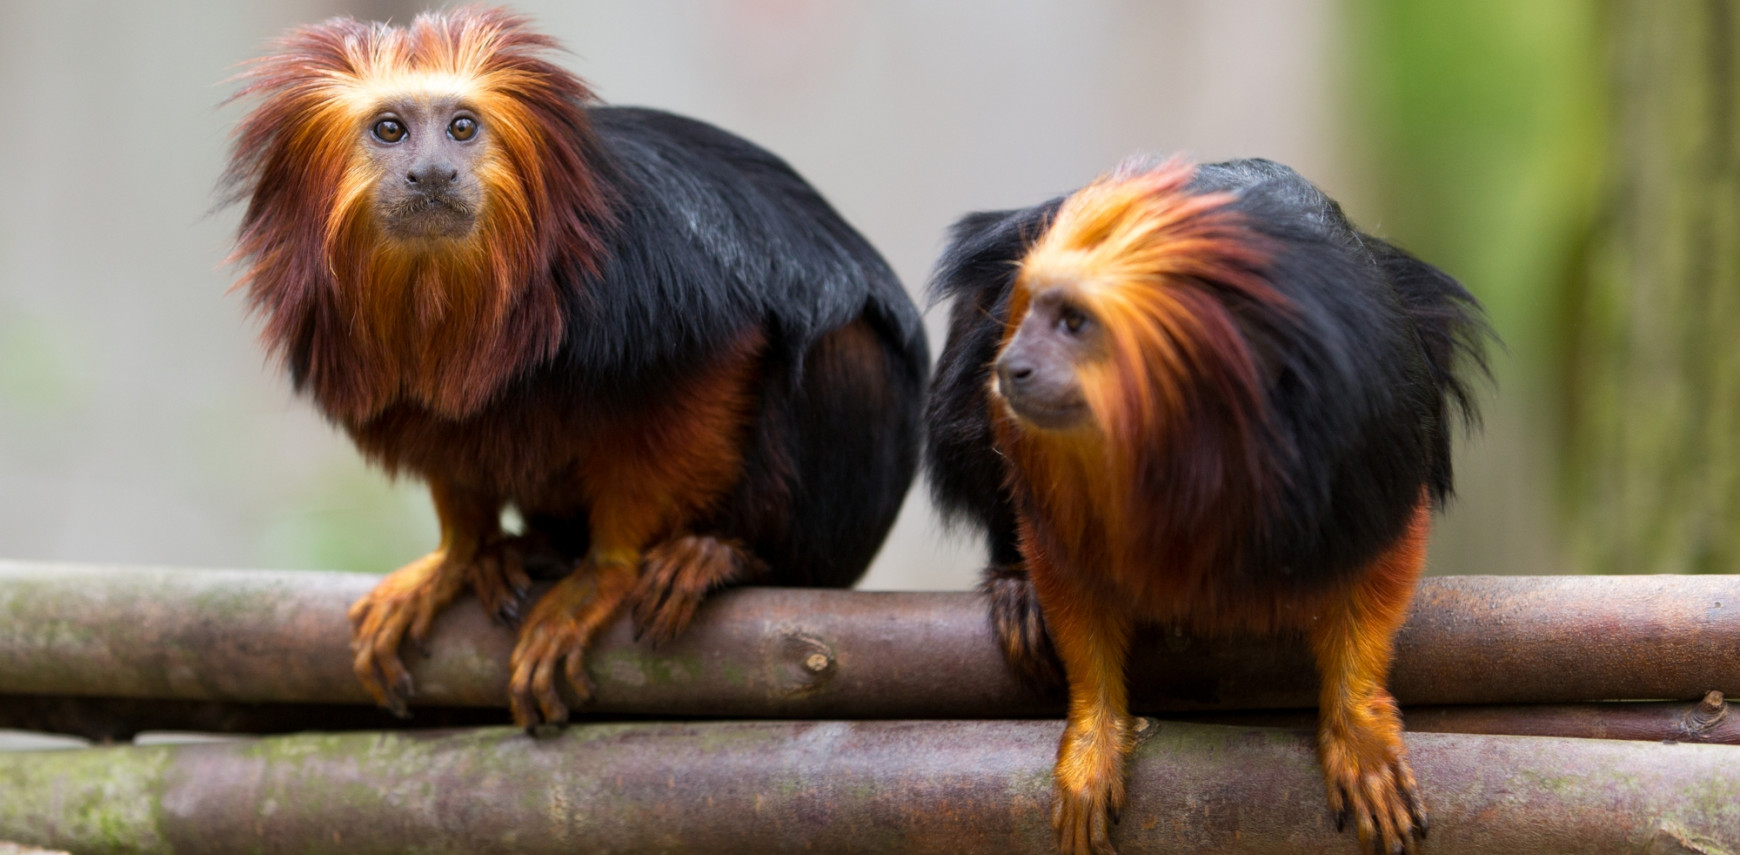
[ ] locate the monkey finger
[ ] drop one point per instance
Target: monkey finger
(1410, 792)
(647, 602)
(677, 618)
(363, 664)
(550, 703)
(1338, 807)
(422, 616)
(397, 683)
(1100, 833)
(1365, 829)
(575, 670)
(359, 612)
(520, 700)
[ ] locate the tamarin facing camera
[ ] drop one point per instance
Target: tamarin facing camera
(1199, 397)
(649, 337)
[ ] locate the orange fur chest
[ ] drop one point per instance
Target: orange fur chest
(1118, 552)
(547, 444)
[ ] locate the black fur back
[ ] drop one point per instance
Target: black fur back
(715, 235)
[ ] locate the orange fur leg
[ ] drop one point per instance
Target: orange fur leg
(561, 625)
(1019, 624)
(1359, 737)
(406, 602)
(678, 574)
(664, 468)
(1093, 641)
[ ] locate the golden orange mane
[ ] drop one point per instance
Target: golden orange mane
(1178, 396)
(364, 321)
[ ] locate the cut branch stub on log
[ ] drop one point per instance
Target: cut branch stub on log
(260, 636)
(914, 787)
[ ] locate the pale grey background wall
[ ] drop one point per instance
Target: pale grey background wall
(138, 422)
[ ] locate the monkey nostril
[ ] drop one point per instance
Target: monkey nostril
(1013, 375)
(410, 178)
(452, 175)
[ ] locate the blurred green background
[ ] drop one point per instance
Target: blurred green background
(1573, 162)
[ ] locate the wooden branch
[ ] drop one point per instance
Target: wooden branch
(281, 637)
(840, 787)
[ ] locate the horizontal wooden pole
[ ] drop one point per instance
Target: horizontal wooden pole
(282, 637)
(1712, 720)
(913, 787)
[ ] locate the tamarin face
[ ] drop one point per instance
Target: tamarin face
(425, 152)
(1121, 320)
(451, 137)
(410, 192)
(1037, 374)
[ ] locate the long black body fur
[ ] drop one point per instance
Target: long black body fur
(1360, 380)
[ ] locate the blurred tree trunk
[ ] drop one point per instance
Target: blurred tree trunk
(1652, 356)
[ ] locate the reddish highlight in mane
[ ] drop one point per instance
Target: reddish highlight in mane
(1179, 446)
(365, 322)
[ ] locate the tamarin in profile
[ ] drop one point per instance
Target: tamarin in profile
(650, 338)
(1199, 397)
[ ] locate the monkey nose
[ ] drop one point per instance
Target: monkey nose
(432, 176)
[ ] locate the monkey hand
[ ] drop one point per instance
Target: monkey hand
(1020, 625)
(405, 602)
(1366, 770)
(498, 576)
(678, 574)
(557, 631)
(1090, 787)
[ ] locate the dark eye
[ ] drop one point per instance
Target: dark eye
(389, 131)
(462, 128)
(1072, 319)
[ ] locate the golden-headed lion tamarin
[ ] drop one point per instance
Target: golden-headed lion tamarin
(650, 337)
(1198, 396)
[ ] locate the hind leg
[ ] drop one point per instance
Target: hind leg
(1359, 735)
(1093, 640)
(678, 574)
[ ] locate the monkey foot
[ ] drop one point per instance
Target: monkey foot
(556, 632)
(1083, 817)
(1090, 782)
(404, 603)
(1020, 625)
(678, 574)
(1369, 782)
(498, 575)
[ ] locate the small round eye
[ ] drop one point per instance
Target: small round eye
(462, 128)
(1072, 319)
(389, 130)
